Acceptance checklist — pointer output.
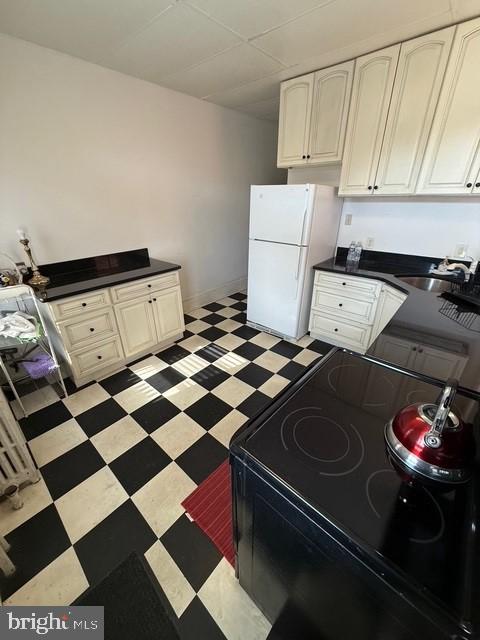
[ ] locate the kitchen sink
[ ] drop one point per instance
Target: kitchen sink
(427, 284)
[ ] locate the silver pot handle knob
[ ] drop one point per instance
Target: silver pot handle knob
(433, 438)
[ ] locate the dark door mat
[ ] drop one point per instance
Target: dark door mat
(135, 606)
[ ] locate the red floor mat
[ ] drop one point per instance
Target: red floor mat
(210, 506)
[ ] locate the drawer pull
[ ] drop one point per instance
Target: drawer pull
(335, 329)
(344, 284)
(92, 329)
(340, 304)
(149, 286)
(99, 357)
(149, 302)
(84, 304)
(154, 299)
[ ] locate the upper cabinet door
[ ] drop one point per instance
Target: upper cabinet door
(331, 98)
(420, 71)
(372, 90)
(452, 158)
(294, 120)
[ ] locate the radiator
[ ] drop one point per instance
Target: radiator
(16, 464)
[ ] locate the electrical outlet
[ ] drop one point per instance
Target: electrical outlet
(348, 219)
(461, 250)
(369, 243)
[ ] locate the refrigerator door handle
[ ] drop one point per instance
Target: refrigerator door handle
(302, 239)
(299, 262)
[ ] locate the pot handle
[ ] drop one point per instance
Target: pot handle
(433, 438)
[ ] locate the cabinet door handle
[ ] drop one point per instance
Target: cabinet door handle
(149, 302)
(420, 351)
(376, 187)
(154, 299)
(340, 304)
(84, 304)
(99, 357)
(303, 157)
(477, 184)
(149, 286)
(414, 348)
(369, 187)
(92, 329)
(308, 156)
(469, 184)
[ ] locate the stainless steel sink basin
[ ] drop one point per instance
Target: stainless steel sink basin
(427, 284)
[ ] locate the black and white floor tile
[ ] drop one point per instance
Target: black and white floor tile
(118, 457)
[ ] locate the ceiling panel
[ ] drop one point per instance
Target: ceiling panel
(263, 89)
(344, 22)
(266, 109)
(232, 68)
(178, 39)
(252, 17)
(83, 28)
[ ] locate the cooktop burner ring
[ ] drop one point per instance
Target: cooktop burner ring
(420, 488)
(355, 447)
(332, 460)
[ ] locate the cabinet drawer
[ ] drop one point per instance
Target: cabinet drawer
(350, 286)
(338, 331)
(80, 304)
(100, 356)
(348, 308)
(139, 288)
(90, 328)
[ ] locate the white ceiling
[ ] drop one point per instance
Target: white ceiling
(231, 52)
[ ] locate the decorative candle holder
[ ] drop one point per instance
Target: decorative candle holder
(37, 280)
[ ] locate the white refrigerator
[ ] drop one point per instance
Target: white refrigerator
(292, 227)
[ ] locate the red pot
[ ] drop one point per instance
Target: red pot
(431, 440)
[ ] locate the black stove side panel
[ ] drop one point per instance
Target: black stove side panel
(304, 581)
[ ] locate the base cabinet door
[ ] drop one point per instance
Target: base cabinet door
(136, 321)
(168, 313)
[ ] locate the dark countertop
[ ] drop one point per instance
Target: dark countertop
(88, 274)
(425, 317)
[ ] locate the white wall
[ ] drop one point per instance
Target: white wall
(328, 174)
(419, 226)
(93, 161)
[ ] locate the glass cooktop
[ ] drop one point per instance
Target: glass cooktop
(326, 441)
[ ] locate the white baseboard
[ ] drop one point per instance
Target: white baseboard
(212, 295)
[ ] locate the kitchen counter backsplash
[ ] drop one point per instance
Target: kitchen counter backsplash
(73, 277)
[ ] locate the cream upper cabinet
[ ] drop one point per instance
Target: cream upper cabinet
(331, 98)
(313, 116)
(452, 158)
(294, 120)
(418, 80)
(372, 89)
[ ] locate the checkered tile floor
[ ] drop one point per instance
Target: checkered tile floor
(118, 457)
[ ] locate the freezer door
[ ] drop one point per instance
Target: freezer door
(280, 213)
(275, 280)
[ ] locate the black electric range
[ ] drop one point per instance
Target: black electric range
(323, 443)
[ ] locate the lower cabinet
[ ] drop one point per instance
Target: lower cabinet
(136, 322)
(99, 331)
(351, 311)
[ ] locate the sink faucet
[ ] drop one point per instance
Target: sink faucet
(445, 265)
